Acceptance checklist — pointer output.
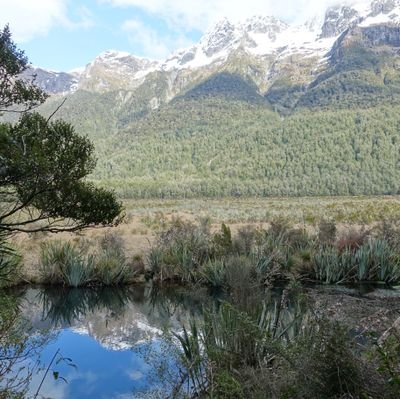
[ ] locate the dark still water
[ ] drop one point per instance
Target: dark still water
(122, 343)
(106, 343)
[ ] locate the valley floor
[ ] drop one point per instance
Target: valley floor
(145, 218)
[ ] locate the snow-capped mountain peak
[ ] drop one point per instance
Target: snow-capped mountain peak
(260, 37)
(113, 54)
(112, 69)
(264, 25)
(122, 59)
(223, 34)
(359, 13)
(382, 12)
(338, 19)
(383, 7)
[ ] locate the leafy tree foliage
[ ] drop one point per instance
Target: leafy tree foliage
(15, 93)
(43, 164)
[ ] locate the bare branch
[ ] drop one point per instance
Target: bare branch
(56, 110)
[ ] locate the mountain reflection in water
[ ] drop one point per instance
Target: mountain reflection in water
(119, 342)
(111, 335)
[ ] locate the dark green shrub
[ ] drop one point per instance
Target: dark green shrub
(180, 251)
(112, 241)
(387, 353)
(137, 265)
(222, 241)
(112, 269)
(326, 364)
(244, 241)
(242, 281)
(10, 264)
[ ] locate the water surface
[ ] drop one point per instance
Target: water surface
(118, 342)
(108, 342)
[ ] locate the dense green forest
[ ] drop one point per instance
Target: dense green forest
(218, 148)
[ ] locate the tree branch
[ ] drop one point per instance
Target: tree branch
(56, 110)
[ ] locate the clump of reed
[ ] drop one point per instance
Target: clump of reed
(373, 261)
(64, 263)
(71, 265)
(275, 349)
(214, 273)
(332, 266)
(10, 263)
(111, 265)
(180, 251)
(190, 254)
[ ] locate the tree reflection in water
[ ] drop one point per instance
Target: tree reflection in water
(19, 345)
(130, 332)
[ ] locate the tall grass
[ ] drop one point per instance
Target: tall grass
(67, 264)
(180, 251)
(275, 350)
(373, 261)
(10, 263)
(63, 263)
(112, 268)
(332, 266)
(189, 254)
(78, 270)
(218, 355)
(214, 273)
(192, 358)
(111, 265)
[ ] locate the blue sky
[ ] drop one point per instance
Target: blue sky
(66, 34)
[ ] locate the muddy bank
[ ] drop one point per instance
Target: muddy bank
(371, 312)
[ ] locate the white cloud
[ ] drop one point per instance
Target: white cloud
(201, 14)
(29, 18)
(151, 43)
(85, 19)
(135, 375)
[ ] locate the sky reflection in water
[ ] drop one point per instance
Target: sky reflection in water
(110, 335)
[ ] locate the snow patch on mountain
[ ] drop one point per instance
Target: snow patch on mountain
(383, 18)
(260, 37)
(263, 36)
(120, 62)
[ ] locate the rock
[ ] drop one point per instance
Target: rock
(337, 20)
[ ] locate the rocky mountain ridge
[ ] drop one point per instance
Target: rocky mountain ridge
(259, 49)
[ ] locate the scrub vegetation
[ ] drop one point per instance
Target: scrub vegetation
(190, 253)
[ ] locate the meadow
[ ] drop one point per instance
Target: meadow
(146, 219)
(305, 210)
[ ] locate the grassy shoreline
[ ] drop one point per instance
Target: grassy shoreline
(191, 253)
(146, 220)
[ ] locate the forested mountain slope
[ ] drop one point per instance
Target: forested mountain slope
(255, 108)
(235, 148)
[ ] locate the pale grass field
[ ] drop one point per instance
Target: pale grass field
(145, 218)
